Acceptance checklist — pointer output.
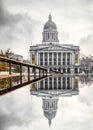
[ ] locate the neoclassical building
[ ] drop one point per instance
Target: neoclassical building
(53, 55)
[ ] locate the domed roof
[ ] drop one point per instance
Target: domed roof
(50, 24)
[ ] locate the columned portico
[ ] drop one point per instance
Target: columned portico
(56, 60)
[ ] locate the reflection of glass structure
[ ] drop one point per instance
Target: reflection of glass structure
(51, 89)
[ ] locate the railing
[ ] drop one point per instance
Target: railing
(33, 72)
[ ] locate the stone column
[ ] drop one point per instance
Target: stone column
(43, 59)
(38, 58)
(44, 84)
(73, 58)
(78, 69)
(72, 83)
(48, 58)
(48, 82)
(52, 58)
(70, 58)
(66, 59)
(61, 83)
(66, 81)
(52, 82)
(57, 81)
(30, 57)
(61, 58)
(57, 58)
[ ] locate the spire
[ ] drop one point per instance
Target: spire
(50, 17)
(49, 122)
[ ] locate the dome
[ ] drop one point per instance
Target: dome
(50, 24)
(50, 34)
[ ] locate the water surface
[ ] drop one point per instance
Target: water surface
(54, 103)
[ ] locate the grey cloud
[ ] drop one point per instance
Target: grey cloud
(15, 29)
(7, 121)
(88, 40)
(86, 44)
(75, 11)
(7, 19)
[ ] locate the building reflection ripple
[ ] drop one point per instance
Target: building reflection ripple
(51, 89)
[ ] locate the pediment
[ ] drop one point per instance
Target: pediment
(57, 47)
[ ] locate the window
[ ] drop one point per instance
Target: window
(41, 63)
(68, 63)
(45, 63)
(59, 63)
(50, 63)
(63, 63)
(41, 54)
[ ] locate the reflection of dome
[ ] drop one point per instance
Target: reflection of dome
(49, 115)
(50, 108)
(50, 24)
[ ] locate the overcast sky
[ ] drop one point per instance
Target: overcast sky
(22, 21)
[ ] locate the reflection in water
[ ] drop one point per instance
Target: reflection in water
(76, 111)
(51, 89)
(86, 79)
(11, 82)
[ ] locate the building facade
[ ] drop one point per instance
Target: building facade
(51, 54)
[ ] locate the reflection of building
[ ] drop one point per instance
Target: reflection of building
(86, 79)
(56, 86)
(86, 64)
(60, 57)
(51, 89)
